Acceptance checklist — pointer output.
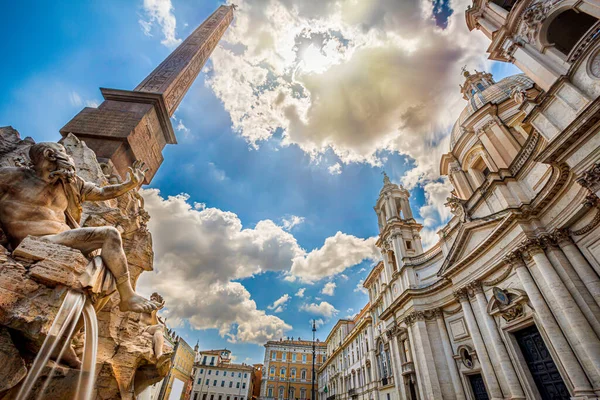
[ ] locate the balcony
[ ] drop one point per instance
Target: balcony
(387, 381)
(408, 368)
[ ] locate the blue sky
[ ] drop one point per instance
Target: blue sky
(244, 168)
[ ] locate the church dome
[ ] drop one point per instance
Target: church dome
(479, 95)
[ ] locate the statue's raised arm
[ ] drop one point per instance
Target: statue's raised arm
(45, 201)
(134, 179)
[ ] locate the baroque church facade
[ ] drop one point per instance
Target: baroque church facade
(507, 304)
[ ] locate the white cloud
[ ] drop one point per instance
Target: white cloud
(360, 288)
(335, 169)
(323, 308)
(300, 292)
(329, 289)
(362, 270)
(280, 304)
(355, 78)
(198, 254)
(292, 221)
(76, 100)
(160, 12)
(344, 277)
(338, 253)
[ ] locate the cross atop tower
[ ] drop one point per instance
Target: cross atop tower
(135, 125)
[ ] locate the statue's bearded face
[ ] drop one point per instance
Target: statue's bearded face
(54, 158)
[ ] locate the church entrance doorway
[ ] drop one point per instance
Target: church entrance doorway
(478, 387)
(539, 361)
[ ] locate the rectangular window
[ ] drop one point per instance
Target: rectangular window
(237, 385)
(201, 370)
(222, 383)
(204, 360)
(293, 357)
(273, 355)
(239, 374)
(217, 373)
(244, 385)
(210, 371)
(245, 375)
(208, 382)
(303, 357)
(212, 361)
(230, 383)
(196, 396)
(284, 356)
(221, 397)
(204, 396)
(232, 374)
(215, 382)
(212, 396)
(199, 381)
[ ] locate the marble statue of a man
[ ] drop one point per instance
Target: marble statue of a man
(45, 201)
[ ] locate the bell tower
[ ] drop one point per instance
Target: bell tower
(133, 125)
(398, 231)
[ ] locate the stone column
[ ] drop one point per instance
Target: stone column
(574, 283)
(581, 385)
(482, 355)
(449, 354)
(392, 204)
(397, 362)
(412, 354)
(497, 344)
(577, 328)
(589, 276)
(430, 385)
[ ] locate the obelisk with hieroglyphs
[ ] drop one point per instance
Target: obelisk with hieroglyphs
(135, 125)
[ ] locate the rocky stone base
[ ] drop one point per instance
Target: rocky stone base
(35, 276)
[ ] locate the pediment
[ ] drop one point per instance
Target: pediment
(470, 238)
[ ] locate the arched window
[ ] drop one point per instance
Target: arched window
(272, 371)
(270, 391)
(392, 260)
(281, 392)
(293, 373)
(480, 87)
(302, 393)
(382, 361)
(303, 374)
(292, 392)
(567, 29)
(282, 372)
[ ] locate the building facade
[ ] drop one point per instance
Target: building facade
(287, 371)
(174, 385)
(347, 373)
(217, 378)
(507, 304)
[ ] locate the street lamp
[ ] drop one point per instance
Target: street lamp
(314, 329)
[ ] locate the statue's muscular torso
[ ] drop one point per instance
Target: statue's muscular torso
(29, 205)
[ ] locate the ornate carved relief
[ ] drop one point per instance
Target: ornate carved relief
(532, 18)
(507, 303)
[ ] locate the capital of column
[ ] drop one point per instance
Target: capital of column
(514, 259)
(461, 294)
(531, 247)
(562, 237)
(591, 178)
(414, 317)
(474, 287)
(548, 241)
(438, 313)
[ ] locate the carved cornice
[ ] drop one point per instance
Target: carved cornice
(588, 228)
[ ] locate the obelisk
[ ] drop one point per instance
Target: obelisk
(135, 125)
